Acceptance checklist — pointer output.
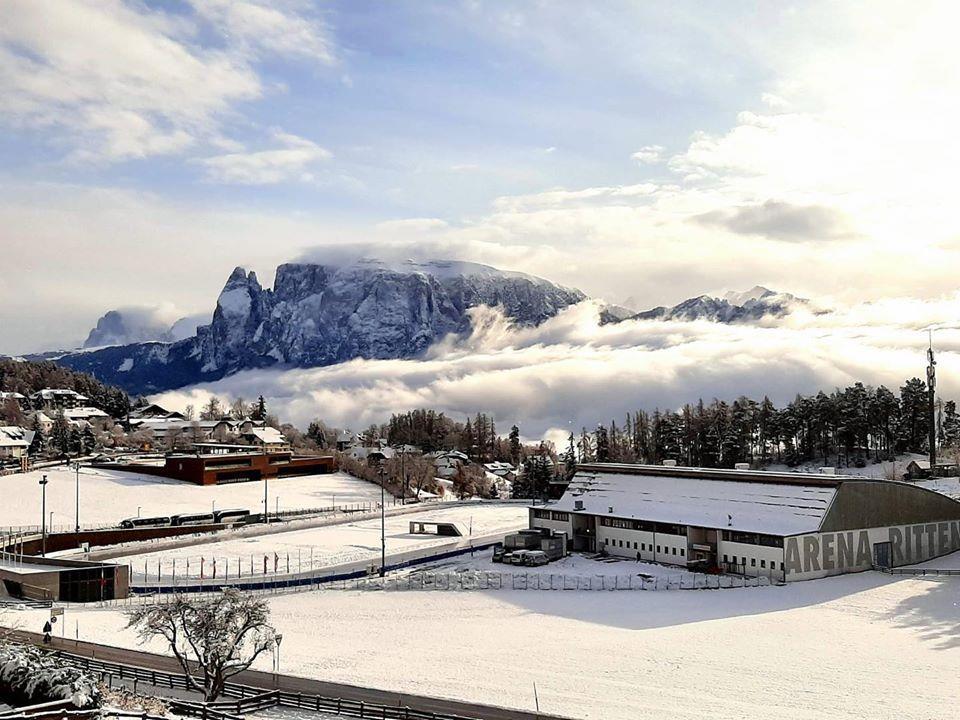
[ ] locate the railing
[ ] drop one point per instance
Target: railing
(918, 571)
(250, 699)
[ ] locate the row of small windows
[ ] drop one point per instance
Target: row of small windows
(753, 562)
(665, 528)
(642, 546)
(752, 538)
(551, 515)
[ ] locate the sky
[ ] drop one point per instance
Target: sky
(652, 151)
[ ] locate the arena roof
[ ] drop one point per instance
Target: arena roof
(738, 500)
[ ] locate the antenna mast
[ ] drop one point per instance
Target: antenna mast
(932, 394)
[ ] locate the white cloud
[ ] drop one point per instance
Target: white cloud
(275, 27)
(114, 81)
(570, 372)
(123, 83)
(290, 162)
(649, 154)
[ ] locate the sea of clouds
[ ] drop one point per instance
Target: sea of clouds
(572, 372)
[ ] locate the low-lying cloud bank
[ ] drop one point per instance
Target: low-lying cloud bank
(571, 372)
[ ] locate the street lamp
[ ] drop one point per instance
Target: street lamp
(43, 515)
(77, 468)
(266, 501)
(383, 525)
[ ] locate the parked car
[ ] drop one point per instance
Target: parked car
(500, 554)
(518, 557)
(535, 557)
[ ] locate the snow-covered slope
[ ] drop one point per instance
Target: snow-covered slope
(750, 306)
(318, 314)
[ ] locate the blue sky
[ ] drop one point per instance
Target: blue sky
(653, 150)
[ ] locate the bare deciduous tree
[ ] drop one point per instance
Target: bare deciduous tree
(216, 637)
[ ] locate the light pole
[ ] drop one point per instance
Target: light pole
(278, 638)
(383, 525)
(266, 502)
(77, 524)
(43, 516)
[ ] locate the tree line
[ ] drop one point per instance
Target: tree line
(850, 426)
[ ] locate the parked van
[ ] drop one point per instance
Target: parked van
(535, 557)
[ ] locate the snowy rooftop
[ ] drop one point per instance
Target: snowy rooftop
(704, 500)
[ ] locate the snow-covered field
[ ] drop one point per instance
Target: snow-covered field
(855, 646)
(107, 496)
(572, 566)
(333, 544)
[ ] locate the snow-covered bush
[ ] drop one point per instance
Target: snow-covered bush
(29, 675)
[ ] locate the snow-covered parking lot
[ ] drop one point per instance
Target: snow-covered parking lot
(107, 496)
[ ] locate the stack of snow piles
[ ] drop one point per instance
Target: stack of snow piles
(31, 676)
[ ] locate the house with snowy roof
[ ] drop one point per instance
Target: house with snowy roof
(57, 399)
(14, 441)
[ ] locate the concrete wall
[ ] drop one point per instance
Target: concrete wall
(822, 554)
(757, 560)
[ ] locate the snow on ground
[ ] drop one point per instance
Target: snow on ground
(335, 544)
(571, 566)
(892, 470)
(855, 646)
(945, 562)
(107, 496)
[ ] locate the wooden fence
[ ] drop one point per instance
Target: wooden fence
(247, 699)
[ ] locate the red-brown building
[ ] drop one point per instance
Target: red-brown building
(214, 464)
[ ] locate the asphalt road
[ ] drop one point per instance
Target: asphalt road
(291, 683)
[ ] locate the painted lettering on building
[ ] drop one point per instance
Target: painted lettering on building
(860, 549)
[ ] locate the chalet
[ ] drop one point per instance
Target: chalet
(266, 438)
(57, 399)
(14, 441)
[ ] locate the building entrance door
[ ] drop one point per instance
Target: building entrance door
(881, 554)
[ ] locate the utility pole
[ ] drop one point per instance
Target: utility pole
(932, 394)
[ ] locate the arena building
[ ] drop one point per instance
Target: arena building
(788, 526)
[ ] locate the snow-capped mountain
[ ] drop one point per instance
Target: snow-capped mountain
(136, 325)
(734, 307)
(319, 314)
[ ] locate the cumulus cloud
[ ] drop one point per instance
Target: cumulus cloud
(781, 221)
(292, 161)
(571, 373)
(117, 81)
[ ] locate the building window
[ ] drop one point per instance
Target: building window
(781, 566)
(674, 550)
(725, 559)
(621, 543)
(753, 562)
(541, 514)
(744, 562)
(606, 541)
(763, 563)
(658, 548)
(561, 516)
(682, 551)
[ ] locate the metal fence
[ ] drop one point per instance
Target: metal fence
(919, 571)
(481, 580)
